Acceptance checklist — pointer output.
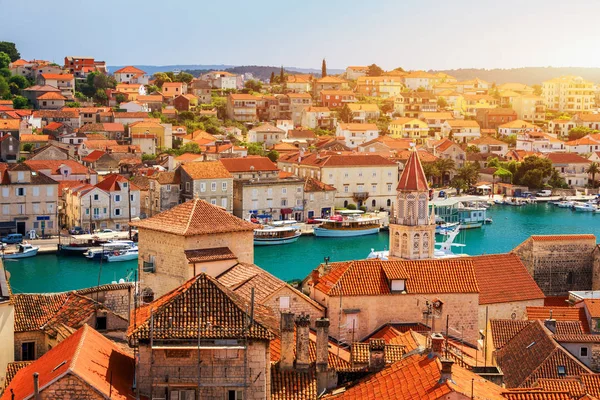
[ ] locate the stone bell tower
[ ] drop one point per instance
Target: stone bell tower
(412, 227)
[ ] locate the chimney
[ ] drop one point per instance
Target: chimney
(437, 344)
(36, 386)
(550, 323)
(302, 339)
(446, 372)
(376, 354)
(287, 341)
(315, 276)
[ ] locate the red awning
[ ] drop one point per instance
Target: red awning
(286, 211)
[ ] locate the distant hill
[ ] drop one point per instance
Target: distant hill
(528, 75)
(260, 72)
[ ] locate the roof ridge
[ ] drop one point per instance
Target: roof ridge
(339, 280)
(189, 222)
(71, 368)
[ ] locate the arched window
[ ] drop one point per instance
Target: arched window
(426, 241)
(373, 203)
(389, 202)
(404, 244)
(397, 241)
(410, 208)
(416, 243)
(400, 211)
(345, 203)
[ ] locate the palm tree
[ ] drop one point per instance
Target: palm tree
(469, 173)
(445, 166)
(593, 169)
(430, 171)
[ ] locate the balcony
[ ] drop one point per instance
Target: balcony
(228, 376)
(360, 196)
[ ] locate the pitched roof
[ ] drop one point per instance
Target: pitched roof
(532, 354)
(315, 185)
(51, 96)
(201, 302)
(206, 170)
(209, 255)
(567, 158)
(418, 377)
(33, 310)
(371, 277)
(86, 354)
(195, 217)
(10, 124)
(503, 278)
(413, 177)
(562, 238)
(113, 182)
(58, 77)
(562, 315)
(488, 140)
(462, 123)
(502, 330)
(129, 69)
(248, 164)
(267, 128)
(518, 124)
(93, 156)
(357, 127)
(348, 160)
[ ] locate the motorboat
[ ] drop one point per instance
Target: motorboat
(514, 202)
(584, 207)
(348, 223)
(123, 255)
(471, 217)
(442, 226)
(271, 235)
(96, 253)
(22, 250)
(566, 204)
(444, 250)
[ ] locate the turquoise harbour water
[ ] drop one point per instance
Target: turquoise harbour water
(512, 225)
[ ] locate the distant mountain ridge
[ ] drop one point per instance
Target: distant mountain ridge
(261, 72)
(527, 75)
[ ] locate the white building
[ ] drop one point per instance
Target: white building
(356, 134)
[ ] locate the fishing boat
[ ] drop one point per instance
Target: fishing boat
(584, 207)
(82, 243)
(348, 223)
(514, 202)
(123, 255)
(96, 253)
(22, 250)
(271, 235)
(444, 250)
(471, 217)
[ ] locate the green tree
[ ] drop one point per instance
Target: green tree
(511, 140)
(100, 96)
(253, 85)
(537, 90)
(73, 104)
(458, 184)
(593, 169)
(20, 81)
(152, 89)
(20, 102)
(532, 172)
(445, 166)
(120, 98)
(255, 149)
(160, 78)
(473, 149)
(4, 60)
(5, 72)
(420, 89)
(281, 75)
(323, 69)
(399, 69)
(430, 171)
(191, 147)
(28, 147)
(273, 155)
(345, 114)
(351, 206)
(580, 131)
(4, 89)
(469, 173)
(184, 77)
(272, 79)
(442, 103)
(374, 70)
(557, 181)
(148, 157)
(10, 49)
(14, 89)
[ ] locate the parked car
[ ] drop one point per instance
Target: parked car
(312, 221)
(12, 238)
(77, 230)
(544, 193)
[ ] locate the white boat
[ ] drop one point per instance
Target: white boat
(471, 217)
(270, 235)
(566, 204)
(585, 207)
(23, 250)
(108, 248)
(514, 202)
(444, 251)
(123, 255)
(348, 223)
(442, 226)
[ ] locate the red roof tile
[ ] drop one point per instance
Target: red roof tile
(413, 177)
(248, 164)
(560, 314)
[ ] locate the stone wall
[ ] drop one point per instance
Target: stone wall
(560, 265)
(371, 312)
(298, 304)
(184, 364)
(30, 336)
(515, 310)
(70, 387)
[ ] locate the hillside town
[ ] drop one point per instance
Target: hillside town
(194, 175)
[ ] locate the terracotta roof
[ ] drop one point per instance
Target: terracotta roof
(593, 307)
(418, 377)
(113, 182)
(156, 98)
(565, 238)
(248, 164)
(195, 217)
(413, 177)
(331, 79)
(87, 355)
(243, 96)
(51, 96)
(166, 178)
(206, 170)
(315, 185)
(503, 278)
(189, 157)
(536, 394)
(106, 287)
(10, 124)
(34, 138)
(444, 145)
(518, 124)
(58, 77)
(487, 140)
(208, 255)
(561, 315)
(462, 123)
(348, 160)
(129, 69)
(532, 354)
(267, 128)
(201, 301)
(573, 386)
(360, 352)
(127, 115)
(33, 310)
(371, 277)
(93, 156)
(293, 384)
(357, 127)
(12, 368)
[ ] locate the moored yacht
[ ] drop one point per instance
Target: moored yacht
(348, 223)
(271, 235)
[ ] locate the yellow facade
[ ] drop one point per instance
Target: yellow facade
(153, 128)
(409, 128)
(379, 86)
(570, 94)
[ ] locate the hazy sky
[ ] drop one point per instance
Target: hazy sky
(392, 33)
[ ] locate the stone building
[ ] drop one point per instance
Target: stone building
(209, 181)
(85, 366)
(190, 238)
(163, 191)
(412, 228)
(44, 320)
(199, 341)
(319, 198)
(559, 263)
